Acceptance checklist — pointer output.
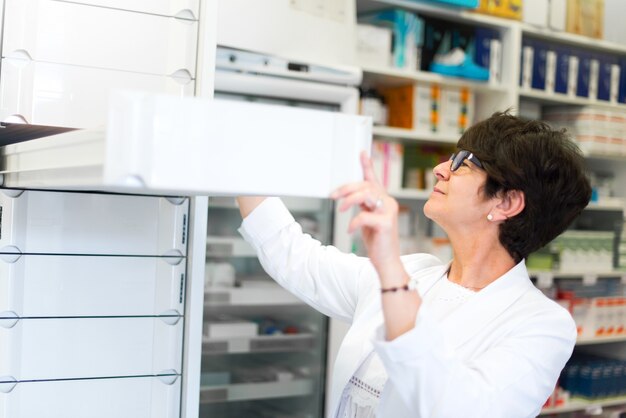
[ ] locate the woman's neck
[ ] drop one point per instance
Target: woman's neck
(478, 263)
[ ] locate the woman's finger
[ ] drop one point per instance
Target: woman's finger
(366, 219)
(368, 168)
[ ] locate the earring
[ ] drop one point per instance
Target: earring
(490, 217)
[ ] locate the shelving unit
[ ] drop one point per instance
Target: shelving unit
(408, 135)
(260, 344)
(389, 77)
(563, 99)
(581, 405)
(266, 295)
(255, 391)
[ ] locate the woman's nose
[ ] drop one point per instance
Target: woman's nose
(442, 170)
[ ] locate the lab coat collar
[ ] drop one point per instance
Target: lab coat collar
(487, 305)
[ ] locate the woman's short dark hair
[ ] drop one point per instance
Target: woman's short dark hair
(545, 164)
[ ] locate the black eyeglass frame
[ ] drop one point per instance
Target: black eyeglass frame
(457, 158)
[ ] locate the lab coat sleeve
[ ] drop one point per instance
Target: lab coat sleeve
(513, 378)
(322, 276)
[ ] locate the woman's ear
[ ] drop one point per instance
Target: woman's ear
(511, 203)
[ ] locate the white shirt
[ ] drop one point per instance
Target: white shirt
(498, 355)
(361, 395)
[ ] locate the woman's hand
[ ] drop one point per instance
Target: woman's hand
(378, 221)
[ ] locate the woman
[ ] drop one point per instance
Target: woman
(468, 338)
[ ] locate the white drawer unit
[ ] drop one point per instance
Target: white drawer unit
(78, 34)
(141, 397)
(73, 286)
(70, 348)
(158, 7)
(74, 96)
(41, 222)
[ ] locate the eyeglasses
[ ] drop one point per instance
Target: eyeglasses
(458, 157)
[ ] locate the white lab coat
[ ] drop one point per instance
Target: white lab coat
(498, 355)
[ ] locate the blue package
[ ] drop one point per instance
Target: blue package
(621, 94)
(604, 77)
(482, 45)
(584, 71)
(562, 69)
(539, 65)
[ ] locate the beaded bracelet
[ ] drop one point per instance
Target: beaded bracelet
(395, 289)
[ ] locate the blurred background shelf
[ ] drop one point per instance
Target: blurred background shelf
(251, 391)
(259, 344)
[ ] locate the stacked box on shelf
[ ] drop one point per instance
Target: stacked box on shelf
(593, 377)
(584, 251)
(413, 107)
(563, 69)
(407, 30)
(387, 159)
(61, 70)
(510, 9)
(597, 130)
(599, 309)
(419, 161)
(92, 302)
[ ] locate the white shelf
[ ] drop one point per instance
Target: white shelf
(263, 295)
(252, 391)
(577, 274)
(228, 247)
(410, 194)
(408, 135)
(573, 39)
(447, 12)
(397, 77)
(613, 204)
(260, 344)
(580, 405)
(558, 98)
(600, 340)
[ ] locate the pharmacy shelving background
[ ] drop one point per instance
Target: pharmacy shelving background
(585, 270)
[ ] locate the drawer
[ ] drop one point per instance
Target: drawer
(77, 97)
(59, 286)
(157, 7)
(38, 222)
(76, 34)
(141, 397)
(70, 348)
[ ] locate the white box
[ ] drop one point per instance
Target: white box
(234, 148)
(456, 113)
(75, 34)
(72, 96)
(528, 53)
(557, 14)
(138, 397)
(535, 12)
(550, 71)
(166, 145)
(157, 7)
(60, 286)
(572, 75)
(71, 348)
(614, 28)
(39, 222)
(373, 46)
(229, 329)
